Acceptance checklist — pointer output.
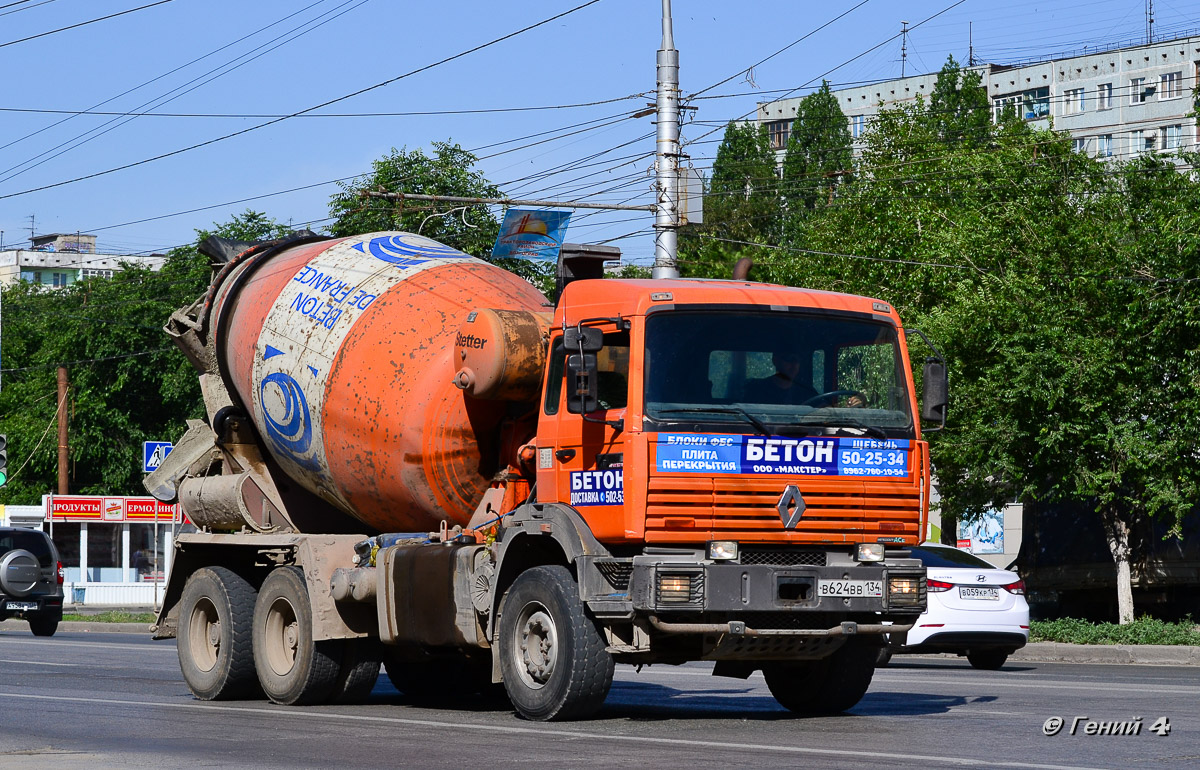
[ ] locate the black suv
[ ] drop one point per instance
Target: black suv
(31, 579)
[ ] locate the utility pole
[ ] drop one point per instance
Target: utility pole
(62, 431)
(903, 46)
(666, 218)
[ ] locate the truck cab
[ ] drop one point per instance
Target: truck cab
(751, 457)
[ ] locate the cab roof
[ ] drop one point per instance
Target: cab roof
(634, 297)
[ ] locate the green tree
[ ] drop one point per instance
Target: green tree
(1063, 292)
(470, 228)
(128, 384)
(959, 109)
(819, 152)
(741, 204)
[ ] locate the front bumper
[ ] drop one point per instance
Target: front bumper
(664, 588)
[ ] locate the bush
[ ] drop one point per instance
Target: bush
(1142, 631)
(112, 616)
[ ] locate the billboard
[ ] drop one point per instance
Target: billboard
(111, 509)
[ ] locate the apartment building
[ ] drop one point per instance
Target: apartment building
(1115, 104)
(57, 260)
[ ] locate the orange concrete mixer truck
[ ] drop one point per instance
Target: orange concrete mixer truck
(412, 459)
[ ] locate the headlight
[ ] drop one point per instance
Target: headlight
(869, 552)
(722, 550)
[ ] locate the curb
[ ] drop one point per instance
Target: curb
(83, 626)
(1116, 654)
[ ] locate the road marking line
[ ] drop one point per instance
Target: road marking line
(40, 663)
(1053, 684)
(988, 682)
(545, 730)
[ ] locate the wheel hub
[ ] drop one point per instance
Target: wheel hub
(539, 648)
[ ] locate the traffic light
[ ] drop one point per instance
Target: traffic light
(3, 459)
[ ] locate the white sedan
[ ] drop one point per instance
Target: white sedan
(974, 609)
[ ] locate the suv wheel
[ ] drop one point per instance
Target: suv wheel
(43, 625)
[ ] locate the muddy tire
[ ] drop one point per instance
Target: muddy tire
(358, 671)
(552, 655)
(292, 669)
(214, 639)
(828, 686)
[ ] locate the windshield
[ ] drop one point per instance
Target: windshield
(776, 372)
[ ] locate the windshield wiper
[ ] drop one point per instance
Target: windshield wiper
(757, 423)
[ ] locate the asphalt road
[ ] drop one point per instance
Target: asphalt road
(117, 700)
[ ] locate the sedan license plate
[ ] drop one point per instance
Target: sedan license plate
(975, 592)
(18, 606)
(850, 588)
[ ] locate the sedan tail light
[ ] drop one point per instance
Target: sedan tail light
(937, 586)
(1017, 588)
(61, 573)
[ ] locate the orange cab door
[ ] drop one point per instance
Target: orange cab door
(588, 451)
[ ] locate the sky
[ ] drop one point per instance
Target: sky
(550, 111)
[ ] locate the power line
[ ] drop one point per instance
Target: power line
(83, 23)
(160, 77)
(309, 109)
(422, 113)
(781, 50)
(264, 49)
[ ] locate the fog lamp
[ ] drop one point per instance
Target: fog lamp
(869, 552)
(722, 550)
(674, 588)
(905, 590)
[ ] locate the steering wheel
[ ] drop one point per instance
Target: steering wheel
(828, 399)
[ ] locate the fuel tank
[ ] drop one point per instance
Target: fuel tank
(341, 352)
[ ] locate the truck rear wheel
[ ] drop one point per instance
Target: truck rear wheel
(214, 639)
(827, 686)
(292, 668)
(358, 671)
(552, 655)
(442, 678)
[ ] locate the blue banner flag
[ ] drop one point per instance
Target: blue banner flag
(526, 233)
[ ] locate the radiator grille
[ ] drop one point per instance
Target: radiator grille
(684, 508)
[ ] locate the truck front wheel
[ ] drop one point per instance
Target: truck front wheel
(292, 668)
(215, 653)
(552, 655)
(827, 686)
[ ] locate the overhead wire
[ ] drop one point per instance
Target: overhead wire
(213, 52)
(314, 108)
(111, 125)
(84, 23)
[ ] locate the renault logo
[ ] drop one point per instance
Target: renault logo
(790, 506)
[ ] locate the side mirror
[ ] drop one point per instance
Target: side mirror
(582, 382)
(591, 338)
(935, 396)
